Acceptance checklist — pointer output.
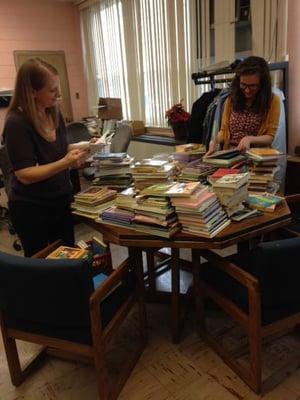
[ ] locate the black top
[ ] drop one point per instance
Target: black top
(26, 148)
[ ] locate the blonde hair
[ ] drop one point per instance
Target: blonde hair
(31, 76)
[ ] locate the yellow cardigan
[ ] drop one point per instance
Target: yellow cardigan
(268, 127)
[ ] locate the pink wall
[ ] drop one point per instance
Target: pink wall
(42, 25)
(294, 74)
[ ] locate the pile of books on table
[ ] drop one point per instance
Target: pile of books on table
(264, 164)
(232, 191)
(113, 170)
(199, 210)
(150, 171)
(225, 158)
(195, 171)
(152, 214)
(220, 172)
(92, 201)
(186, 153)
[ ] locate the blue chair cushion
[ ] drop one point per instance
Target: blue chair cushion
(51, 297)
(278, 278)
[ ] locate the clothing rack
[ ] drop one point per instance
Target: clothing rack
(209, 77)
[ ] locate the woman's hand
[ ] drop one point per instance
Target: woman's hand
(213, 146)
(75, 158)
(245, 144)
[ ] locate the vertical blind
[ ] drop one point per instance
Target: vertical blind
(143, 52)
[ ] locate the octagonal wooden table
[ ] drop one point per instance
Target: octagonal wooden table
(238, 233)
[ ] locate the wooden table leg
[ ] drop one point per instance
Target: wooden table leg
(175, 297)
(198, 293)
(151, 271)
(136, 260)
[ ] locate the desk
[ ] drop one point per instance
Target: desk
(236, 233)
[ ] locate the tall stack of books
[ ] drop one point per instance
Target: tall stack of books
(113, 170)
(264, 164)
(154, 213)
(92, 201)
(232, 191)
(199, 210)
(148, 172)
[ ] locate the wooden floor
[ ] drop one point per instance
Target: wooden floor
(188, 371)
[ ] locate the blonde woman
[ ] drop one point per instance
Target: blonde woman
(35, 139)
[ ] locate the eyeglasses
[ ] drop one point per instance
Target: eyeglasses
(252, 86)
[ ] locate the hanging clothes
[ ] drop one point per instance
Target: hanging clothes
(198, 114)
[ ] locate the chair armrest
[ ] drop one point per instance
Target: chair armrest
(231, 269)
(109, 284)
(293, 198)
(47, 250)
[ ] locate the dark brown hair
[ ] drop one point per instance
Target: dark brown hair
(250, 66)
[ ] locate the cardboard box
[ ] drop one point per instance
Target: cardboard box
(137, 127)
(110, 108)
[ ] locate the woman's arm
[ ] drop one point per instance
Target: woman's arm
(268, 130)
(214, 144)
(259, 141)
(73, 159)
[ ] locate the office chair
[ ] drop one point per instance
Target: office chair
(5, 182)
(259, 290)
(119, 144)
(121, 139)
(53, 303)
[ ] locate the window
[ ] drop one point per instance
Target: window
(143, 52)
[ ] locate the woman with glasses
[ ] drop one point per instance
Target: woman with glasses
(251, 112)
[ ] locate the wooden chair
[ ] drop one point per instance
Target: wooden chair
(53, 303)
(259, 290)
(293, 229)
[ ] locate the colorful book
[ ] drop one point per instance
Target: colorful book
(220, 172)
(263, 201)
(67, 252)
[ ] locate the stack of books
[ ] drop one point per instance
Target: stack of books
(117, 216)
(225, 158)
(198, 210)
(152, 214)
(92, 201)
(126, 199)
(220, 172)
(232, 191)
(113, 170)
(264, 164)
(191, 149)
(196, 171)
(156, 216)
(149, 171)
(186, 153)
